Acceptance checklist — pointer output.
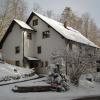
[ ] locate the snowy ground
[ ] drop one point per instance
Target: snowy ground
(11, 73)
(11, 70)
(85, 89)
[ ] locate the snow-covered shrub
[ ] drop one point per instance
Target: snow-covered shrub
(97, 77)
(10, 72)
(16, 77)
(57, 80)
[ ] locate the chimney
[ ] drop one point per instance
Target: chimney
(65, 24)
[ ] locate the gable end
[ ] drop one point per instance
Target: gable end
(7, 33)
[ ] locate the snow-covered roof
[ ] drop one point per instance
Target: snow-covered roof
(32, 58)
(23, 24)
(68, 33)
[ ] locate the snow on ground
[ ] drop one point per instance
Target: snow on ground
(10, 72)
(85, 88)
(74, 92)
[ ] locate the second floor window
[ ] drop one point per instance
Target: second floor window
(29, 36)
(45, 34)
(35, 22)
(17, 49)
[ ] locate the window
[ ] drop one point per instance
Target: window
(80, 47)
(29, 36)
(35, 22)
(90, 55)
(98, 68)
(45, 34)
(39, 50)
(70, 46)
(98, 65)
(17, 63)
(46, 63)
(17, 49)
(70, 65)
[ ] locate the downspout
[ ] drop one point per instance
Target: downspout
(23, 46)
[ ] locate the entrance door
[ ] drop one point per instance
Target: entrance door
(33, 64)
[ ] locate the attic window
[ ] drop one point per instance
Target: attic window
(29, 36)
(45, 34)
(35, 22)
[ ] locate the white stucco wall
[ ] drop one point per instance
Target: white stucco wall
(54, 44)
(14, 39)
(49, 45)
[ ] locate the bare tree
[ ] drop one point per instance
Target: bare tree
(37, 8)
(84, 23)
(49, 13)
(80, 62)
(11, 9)
(74, 63)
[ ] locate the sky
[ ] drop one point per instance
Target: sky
(78, 6)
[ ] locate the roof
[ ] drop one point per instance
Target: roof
(23, 24)
(20, 23)
(68, 33)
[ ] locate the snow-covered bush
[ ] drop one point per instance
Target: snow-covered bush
(57, 80)
(10, 72)
(97, 77)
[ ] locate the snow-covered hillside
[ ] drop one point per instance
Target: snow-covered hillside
(10, 72)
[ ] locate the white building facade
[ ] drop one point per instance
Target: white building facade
(42, 41)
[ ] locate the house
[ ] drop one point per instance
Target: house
(42, 41)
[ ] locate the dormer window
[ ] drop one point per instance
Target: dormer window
(35, 22)
(29, 36)
(45, 34)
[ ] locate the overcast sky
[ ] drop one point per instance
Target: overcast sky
(79, 6)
